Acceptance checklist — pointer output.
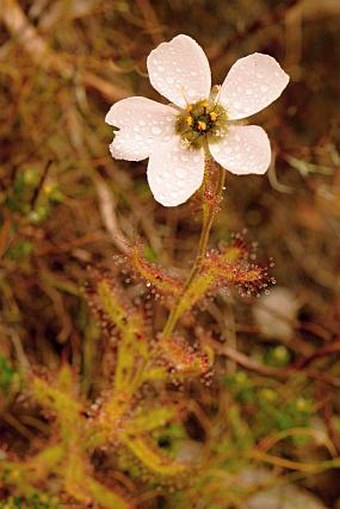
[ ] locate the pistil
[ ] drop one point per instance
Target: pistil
(201, 120)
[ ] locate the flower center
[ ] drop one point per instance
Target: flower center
(203, 120)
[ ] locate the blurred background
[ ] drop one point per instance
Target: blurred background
(65, 203)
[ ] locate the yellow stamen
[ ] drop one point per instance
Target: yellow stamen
(201, 125)
(213, 116)
(188, 120)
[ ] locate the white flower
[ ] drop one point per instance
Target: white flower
(176, 136)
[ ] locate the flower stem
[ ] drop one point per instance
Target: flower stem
(210, 207)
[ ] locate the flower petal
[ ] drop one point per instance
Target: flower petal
(143, 124)
(252, 83)
(175, 172)
(179, 70)
(245, 149)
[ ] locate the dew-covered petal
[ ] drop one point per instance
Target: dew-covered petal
(179, 70)
(142, 124)
(244, 149)
(175, 172)
(252, 83)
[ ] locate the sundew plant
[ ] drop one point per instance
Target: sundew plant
(168, 331)
(200, 125)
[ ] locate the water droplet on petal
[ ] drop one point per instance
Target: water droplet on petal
(156, 130)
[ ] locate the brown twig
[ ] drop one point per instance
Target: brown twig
(41, 182)
(322, 352)
(251, 365)
(41, 54)
(324, 398)
(269, 18)
(107, 208)
(152, 23)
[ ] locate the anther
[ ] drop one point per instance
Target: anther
(201, 126)
(189, 120)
